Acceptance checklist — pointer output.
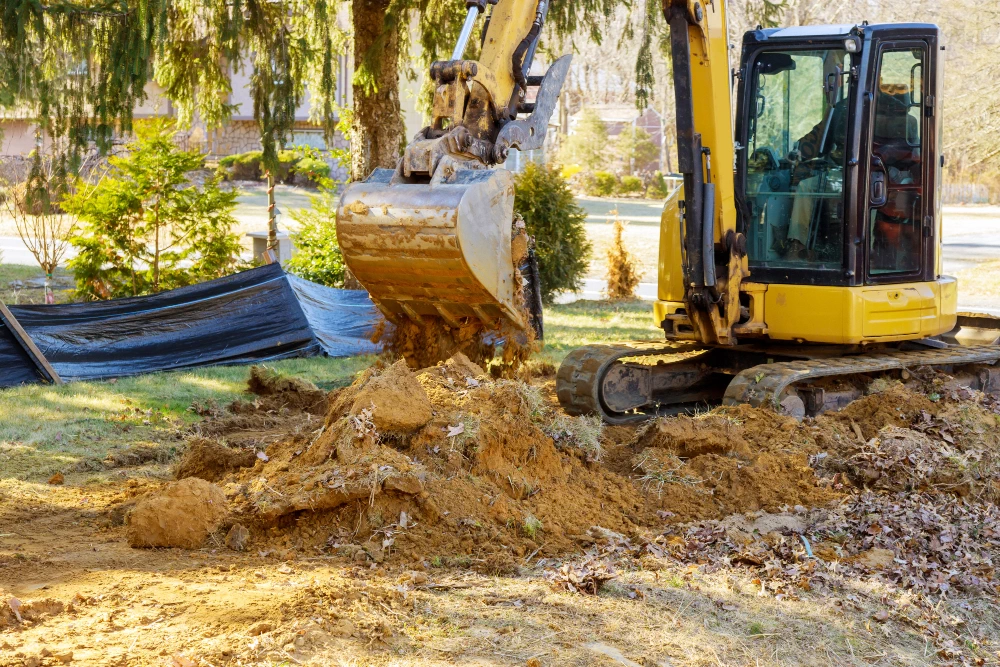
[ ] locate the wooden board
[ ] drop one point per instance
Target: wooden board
(29, 346)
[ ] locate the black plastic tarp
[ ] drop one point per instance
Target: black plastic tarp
(257, 315)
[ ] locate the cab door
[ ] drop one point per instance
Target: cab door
(900, 230)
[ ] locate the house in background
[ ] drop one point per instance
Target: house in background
(616, 117)
(238, 135)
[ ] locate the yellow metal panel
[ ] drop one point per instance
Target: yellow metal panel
(809, 313)
(670, 280)
(713, 117)
(509, 24)
(897, 310)
(853, 315)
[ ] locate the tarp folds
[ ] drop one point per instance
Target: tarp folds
(342, 320)
(257, 315)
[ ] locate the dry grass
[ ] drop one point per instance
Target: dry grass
(145, 607)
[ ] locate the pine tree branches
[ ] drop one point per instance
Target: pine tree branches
(78, 69)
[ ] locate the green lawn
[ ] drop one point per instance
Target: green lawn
(9, 273)
(586, 322)
(46, 428)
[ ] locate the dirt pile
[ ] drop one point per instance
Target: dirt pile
(731, 460)
(181, 514)
(286, 392)
(393, 401)
(451, 461)
(211, 460)
(899, 440)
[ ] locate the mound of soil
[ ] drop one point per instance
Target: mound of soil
(283, 391)
(736, 459)
(211, 460)
(393, 401)
(451, 461)
(181, 514)
(896, 406)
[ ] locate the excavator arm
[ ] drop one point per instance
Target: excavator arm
(435, 237)
(713, 251)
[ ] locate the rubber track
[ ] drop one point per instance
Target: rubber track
(764, 384)
(578, 381)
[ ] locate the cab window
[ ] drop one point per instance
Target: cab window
(795, 158)
(896, 188)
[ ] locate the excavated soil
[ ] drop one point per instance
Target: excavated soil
(449, 462)
(211, 460)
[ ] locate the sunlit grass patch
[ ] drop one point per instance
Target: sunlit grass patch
(46, 428)
(568, 326)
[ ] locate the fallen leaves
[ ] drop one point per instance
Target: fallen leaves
(586, 576)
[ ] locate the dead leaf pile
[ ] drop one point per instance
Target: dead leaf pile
(585, 576)
(939, 544)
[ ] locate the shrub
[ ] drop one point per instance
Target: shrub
(287, 160)
(623, 274)
(242, 166)
(146, 227)
(601, 184)
(247, 166)
(544, 200)
(657, 187)
(312, 169)
(630, 185)
(317, 254)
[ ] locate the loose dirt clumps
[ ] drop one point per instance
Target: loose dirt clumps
(211, 460)
(896, 405)
(283, 391)
(181, 514)
(395, 401)
(732, 460)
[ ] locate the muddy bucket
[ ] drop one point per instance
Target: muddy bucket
(433, 249)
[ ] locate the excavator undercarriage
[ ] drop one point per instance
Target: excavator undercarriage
(630, 382)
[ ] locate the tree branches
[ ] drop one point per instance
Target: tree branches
(78, 69)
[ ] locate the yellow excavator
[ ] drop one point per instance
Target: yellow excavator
(801, 257)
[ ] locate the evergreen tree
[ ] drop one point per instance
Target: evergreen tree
(145, 227)
(588, 145)
(80, 66)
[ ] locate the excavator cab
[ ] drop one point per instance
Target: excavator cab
(838, 177)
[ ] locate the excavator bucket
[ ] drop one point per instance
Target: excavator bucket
(434, 249)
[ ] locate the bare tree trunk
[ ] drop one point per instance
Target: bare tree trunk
(377, 132)
(272, 227)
